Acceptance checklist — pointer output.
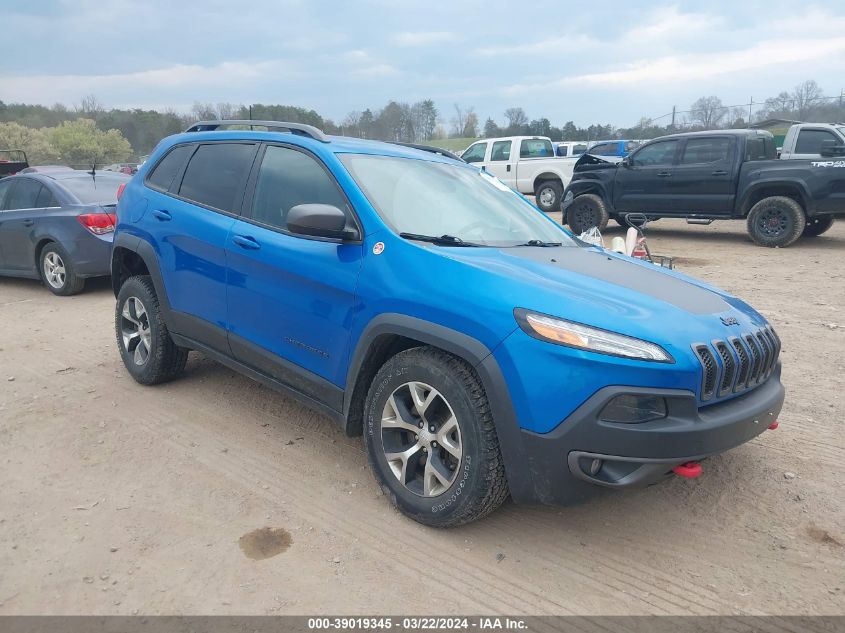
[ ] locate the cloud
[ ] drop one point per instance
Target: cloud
(423, 38)
(377, 70)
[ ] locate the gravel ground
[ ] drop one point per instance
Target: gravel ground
(215, 495)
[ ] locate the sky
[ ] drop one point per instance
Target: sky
(599, 62)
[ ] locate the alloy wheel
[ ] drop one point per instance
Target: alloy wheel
(421, 439)
(546, 197)
(773, 222)
(54, 270)
(135, 330)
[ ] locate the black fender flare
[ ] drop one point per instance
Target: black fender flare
(775, 183)
(580, 187)
(147, 253)
(475, 353)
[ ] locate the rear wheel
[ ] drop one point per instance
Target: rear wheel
(57, 271)
(587, 211)
(776, 222)
(145, 345)
(548, 195)
(431, 441)
(817, 225)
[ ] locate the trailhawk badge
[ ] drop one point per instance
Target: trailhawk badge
(378, 248)
(729, 320)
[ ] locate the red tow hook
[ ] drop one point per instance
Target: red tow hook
(774, 425)
(690, 470)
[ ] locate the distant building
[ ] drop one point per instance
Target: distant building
(778, 128)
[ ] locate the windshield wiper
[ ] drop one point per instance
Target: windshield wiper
(446, 240)
(539, 243)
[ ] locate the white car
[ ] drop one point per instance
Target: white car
(527, 164)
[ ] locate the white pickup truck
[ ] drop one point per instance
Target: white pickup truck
(527, 164)
(813, 141)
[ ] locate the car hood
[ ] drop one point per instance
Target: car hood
(596, 287)
(588, 162)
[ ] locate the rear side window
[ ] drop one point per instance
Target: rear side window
(810, 141)
(287, 178)
(215, 176)
(501, 151)
(700, 151)
(475, 154)
(5, 185)
(162, 175)
(562, 150)
(535, 148)
(45, 198)
(605, 149)
(23, 195)
(760, 148)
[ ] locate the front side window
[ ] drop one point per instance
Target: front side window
(475, 154)
(216, 174)
(700, 151)
(562, 150)
(605, 149)
(535, 148)
(810, 141)
(23, 195)
(577, 150)
(432, 198)
(501, 151)
(288, 178)
(655, 154)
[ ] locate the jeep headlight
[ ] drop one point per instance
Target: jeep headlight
(561, 332)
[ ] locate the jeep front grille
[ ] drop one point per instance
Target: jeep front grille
(739, 363)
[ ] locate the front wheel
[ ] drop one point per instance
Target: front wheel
(431, 441)
(776, 221)
(548, 195)
(147, 350)
(587, 211)
(817, 225)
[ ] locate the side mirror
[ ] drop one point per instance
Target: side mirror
(319, 220)
(627, 162)
(830, 149)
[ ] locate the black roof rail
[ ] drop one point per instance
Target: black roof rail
(430, 148)
(300, 129)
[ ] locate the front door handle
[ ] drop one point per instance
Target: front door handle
(664, 174)
(509, 168)
(245, 241)
(720, 172)
(162, 216)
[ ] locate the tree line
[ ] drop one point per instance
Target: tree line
(89, 132)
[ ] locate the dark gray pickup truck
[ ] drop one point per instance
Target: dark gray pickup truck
(705, 176)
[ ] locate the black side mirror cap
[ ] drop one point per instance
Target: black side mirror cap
(830, 149)
(320, 220)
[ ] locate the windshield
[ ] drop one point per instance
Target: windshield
(841, 130)
(99, 190)
(428, 198)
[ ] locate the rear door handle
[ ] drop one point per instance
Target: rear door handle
(664, 174)
(163, 216)
(509, 168)
(245, 241)
(720, 172)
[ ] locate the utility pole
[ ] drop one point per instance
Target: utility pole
(673, 117)
(750, 105)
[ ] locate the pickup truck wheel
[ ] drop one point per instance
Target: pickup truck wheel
(587, 211)
(548, 196)
(776, 222)
(817, 225)
(431, 441)
(147, 350)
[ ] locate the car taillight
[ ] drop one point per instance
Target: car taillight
(120, 190)
(97, 223)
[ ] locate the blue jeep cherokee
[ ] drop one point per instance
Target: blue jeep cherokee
(480, 349)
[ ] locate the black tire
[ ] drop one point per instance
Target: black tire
(163, 359)
(587, 210)
(547, 195)
(817, 225)
(478, 485)
(776, 222)
(52, 259)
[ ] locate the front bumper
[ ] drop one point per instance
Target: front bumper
(562, 466)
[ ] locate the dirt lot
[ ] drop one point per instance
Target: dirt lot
(116, 498)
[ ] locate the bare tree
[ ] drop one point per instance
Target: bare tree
(806, 95)
(516, 118)
(352, 124)
(459, 121)
(90, 106)
(470, 124)
(708, 111)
